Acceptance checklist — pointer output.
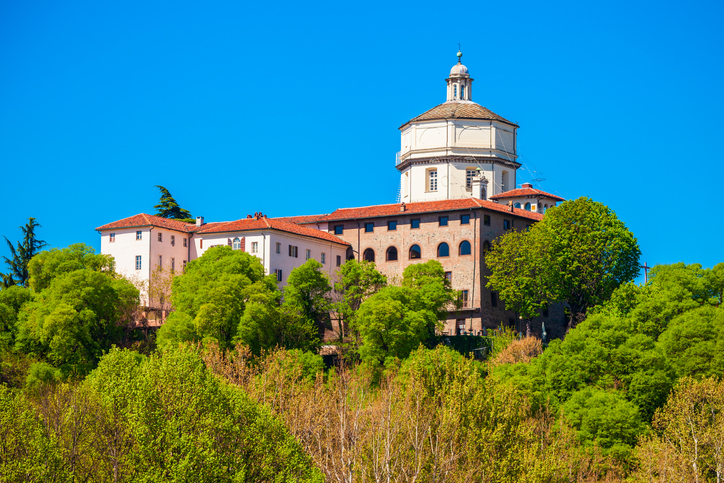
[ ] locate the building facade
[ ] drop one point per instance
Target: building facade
(458, 193)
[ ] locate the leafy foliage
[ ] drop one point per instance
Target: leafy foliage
(579, 253)
(49, 264)
(357, 282)
(167, 207)
(395, 320)
(21, 256)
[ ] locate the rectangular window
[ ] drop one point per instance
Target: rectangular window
(493, 299)
(254, 247)
(279, 274)
(139, 235)
(486, 220)
(184, 264)
(392, 225)
(185, 242)
(173, 264)
(339, 229)
(324, 258)
(415, 223)
(464, 298)
(432, 180)
(448, 276)
(279, 248)
(138, 262)
(112, 237)
(443, 220)
(173, 241)
(339, 260)
(469, 175)
(160, 236)
(464, 219)
(293, 251)
(309, 254)
(160, 261)
(201, 243)
(506, 225)
(369, 227)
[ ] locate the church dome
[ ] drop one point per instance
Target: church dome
(459, 69)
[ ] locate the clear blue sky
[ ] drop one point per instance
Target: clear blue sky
(293, 108)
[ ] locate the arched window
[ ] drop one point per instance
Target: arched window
(443, 250)
(369, 255)
(465, 248)
(415, 252)
(392, 254)
(462, 93)
(517, 205)
(237, 244)
(455, 91)
(527, 207)
(504, 181)
(545, 207)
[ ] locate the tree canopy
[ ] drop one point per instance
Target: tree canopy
(579, 253)
(168, 207)
(21, 256)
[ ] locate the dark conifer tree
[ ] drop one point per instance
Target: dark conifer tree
(21, 255)
(169, 208)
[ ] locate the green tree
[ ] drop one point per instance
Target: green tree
(307, 291)
(396, 320)
(357, 282)
(167, 207)
(267, 325)
(21, 256)
(78, 317)
(49, 264)
(211, 296)
(587, 253)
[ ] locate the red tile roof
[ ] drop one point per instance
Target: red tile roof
(459, 110)
(143, 219)
(425, 207)
(269, 223)
(524, 192)
(301, 220)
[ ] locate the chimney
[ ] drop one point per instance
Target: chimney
(248, 217)
(403, 207)
(527, 186)
(199, 220)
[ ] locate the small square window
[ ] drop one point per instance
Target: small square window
(415, 223)
(254, 247)
(339, 229)
(443, 220)
(173, 241)
(112, 237)
(339, 260)
(448, 276)
(464, 219)
(138, 262)
(324, 258)
(369, 227)
(185, 242)
(160, 236)
(486, 220)
(139, 235)
(392, 225)
(309, 254)
(293, 251)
